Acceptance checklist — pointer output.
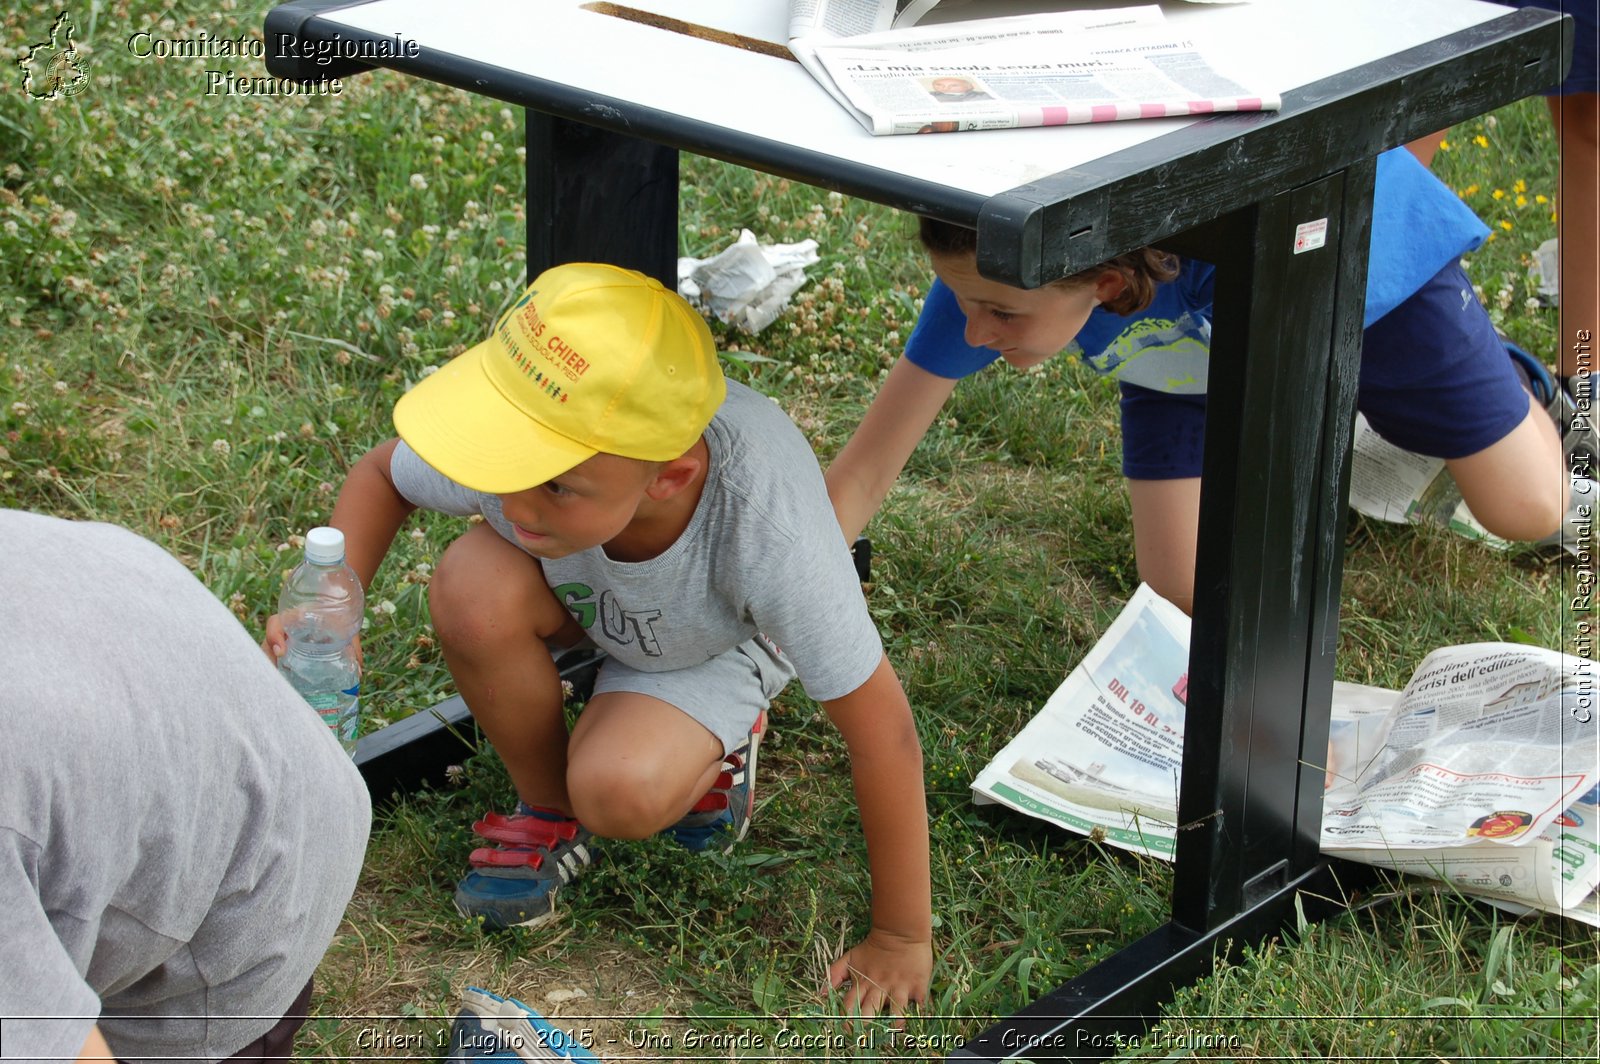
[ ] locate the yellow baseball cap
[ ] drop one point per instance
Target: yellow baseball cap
(592, 358)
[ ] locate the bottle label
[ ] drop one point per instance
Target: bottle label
(340, 712)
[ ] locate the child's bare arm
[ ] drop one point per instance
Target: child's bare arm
(893, 965)
(861, 475)
(369, 511)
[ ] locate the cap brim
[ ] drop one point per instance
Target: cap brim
(458, 422)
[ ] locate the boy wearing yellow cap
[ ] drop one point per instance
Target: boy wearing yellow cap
(632, 496)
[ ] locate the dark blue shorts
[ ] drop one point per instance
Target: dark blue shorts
(1435, 379)
(1584, 75)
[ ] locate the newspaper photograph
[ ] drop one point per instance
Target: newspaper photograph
(1058, 68)
(1484, 772)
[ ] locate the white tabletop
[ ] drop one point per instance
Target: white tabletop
(1282, 44)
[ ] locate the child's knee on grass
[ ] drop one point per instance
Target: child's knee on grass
(487, 597)
(636, 764)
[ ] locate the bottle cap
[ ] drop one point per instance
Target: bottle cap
(325, 546)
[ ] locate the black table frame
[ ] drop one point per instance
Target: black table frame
(1231, 190)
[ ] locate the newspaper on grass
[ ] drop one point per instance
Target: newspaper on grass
(1056, 68)
(747, 284)
(1103, 755)
(1402, 487)
(1484, 772)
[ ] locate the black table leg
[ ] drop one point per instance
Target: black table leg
(598, 196)
(1285, 356)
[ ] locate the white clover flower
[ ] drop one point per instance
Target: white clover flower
(221, 447)
(418, 181)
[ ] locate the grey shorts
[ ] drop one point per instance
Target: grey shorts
(726, 694)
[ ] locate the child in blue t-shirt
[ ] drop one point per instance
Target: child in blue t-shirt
(1435, 377)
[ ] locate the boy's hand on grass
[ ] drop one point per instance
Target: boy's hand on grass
(886, 974)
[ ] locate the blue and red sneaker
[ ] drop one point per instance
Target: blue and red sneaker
(515, 883)
(722, 816)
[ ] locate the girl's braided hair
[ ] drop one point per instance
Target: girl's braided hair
(1141, 270)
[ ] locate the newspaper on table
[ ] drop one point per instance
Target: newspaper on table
(1057, 68)
(1484, 772)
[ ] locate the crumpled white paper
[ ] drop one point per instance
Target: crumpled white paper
(1544, 271)
(748, 284)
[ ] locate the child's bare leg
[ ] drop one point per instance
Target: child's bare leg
(636, 764)
(492, 612)
(1166, 530)
(1516, 486)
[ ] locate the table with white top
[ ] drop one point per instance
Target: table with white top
(613, 92)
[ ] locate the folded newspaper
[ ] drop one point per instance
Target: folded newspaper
(1401, 487)
(1484, 771)
(1057, 68)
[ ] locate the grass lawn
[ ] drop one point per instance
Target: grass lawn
(208, 307)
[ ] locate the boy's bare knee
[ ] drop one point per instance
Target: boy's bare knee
(621, 799)
(464, 609)
(485, 593)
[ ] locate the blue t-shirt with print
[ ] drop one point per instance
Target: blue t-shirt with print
(1418, 227)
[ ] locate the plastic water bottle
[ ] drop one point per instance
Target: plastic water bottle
(321, 607)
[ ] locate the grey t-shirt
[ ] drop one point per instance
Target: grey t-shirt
(763, 553)
(179, 831)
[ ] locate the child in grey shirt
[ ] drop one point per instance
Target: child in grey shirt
(633, 497)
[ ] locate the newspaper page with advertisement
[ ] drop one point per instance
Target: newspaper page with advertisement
(1484, 772)
(1102, 756)
(1059, 68)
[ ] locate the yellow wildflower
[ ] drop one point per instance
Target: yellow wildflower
(1481, 141)
(1472, 190)
(1504, 224)
(1444, 145)
(1522, 201)
(1541, 199)
(1520, 186)
(1499, 193)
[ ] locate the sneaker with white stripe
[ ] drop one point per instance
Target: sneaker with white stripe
(515, 883)
(722, 817)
